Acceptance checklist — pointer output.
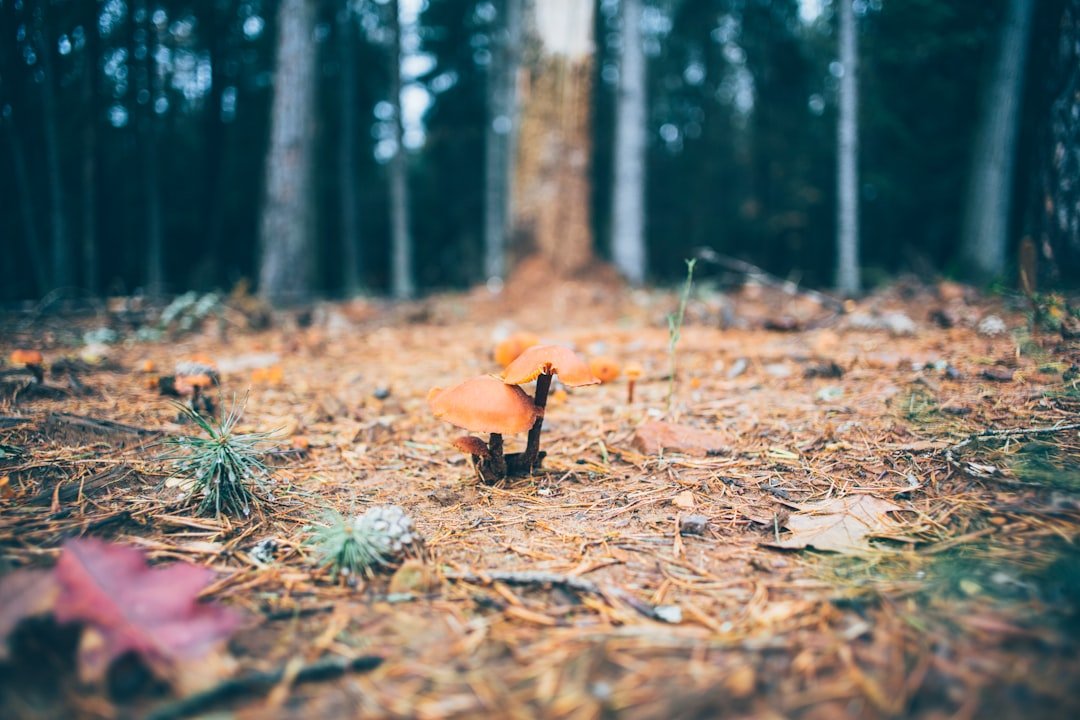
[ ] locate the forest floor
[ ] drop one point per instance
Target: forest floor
(955, 591)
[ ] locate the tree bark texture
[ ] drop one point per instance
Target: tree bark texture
(62, 266)
(287, 235)
(148, 89)
(847, 161)
(1060, 241)
(628, 201)
(552, 189)
(985, 242)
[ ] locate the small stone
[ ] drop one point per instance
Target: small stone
(693, 525)
(382, 392)
(684, 500)
(668, 613)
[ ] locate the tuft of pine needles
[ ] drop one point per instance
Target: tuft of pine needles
(222, 466)
(675, 322)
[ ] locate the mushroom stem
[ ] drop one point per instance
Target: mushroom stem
(630, 392)
(532, 447)
(497, 464)
(38, 372)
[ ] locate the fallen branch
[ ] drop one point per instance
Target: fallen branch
(1009, 433)
(260, 682)
(753, 271)
(568, 582)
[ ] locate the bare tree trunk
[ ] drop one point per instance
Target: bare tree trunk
(215, 145)
(499, 137)
(26, 202)
(146, 127)
(287, 218)
(628, 201)
(61, 252)
(90, 90)
(347, 172)
(401, 276)
(847, 159)
(986, 223)
(552, 187)
(1060, 240)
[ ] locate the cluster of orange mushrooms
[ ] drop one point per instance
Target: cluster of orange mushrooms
(498, 406)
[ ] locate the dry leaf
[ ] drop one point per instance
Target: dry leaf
(24, 594)
(840, 525)
(656, 436)
(684, 500)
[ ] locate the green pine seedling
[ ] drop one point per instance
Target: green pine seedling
(675, 322)
(223, 467)
(351, 546)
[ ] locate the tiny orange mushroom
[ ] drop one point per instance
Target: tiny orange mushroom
(32, 361)
(541, 363)
(484, 404)
(633, 372)
(605, 369)
(509, 349)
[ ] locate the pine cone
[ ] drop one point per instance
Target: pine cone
(389, 530)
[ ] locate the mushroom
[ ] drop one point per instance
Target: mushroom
(509, 349)
(32, 361)
(477, 451)
(192, 378)
(541, 363)
(484, 404)
(633, 372)
(605, 369)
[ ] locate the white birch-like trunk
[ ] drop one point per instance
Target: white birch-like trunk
(499, 138)
(628, 200)
(847, 159)
(287, 219)
(401, 259)
(986, 221)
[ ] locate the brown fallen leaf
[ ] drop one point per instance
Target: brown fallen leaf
(839, 525)
(126, 606)
(684, 500)
(656, 436)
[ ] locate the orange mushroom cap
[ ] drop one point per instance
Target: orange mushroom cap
(549, 360)
(509, 349)
(186, 384)
(26, 357)
(484, 404)
(634, 371)
(472, 446)
(605, 369)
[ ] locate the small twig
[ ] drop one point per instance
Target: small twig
(260, 682)
(741, 266)
(1008, 433)
(568, 582)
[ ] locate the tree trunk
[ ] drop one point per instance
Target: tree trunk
(61, 252)
(143, 45)
(628, 201)
(499, 137)
(215, 145)
(348, 181)
(552, 188)
(1060, 242)
(90, 97)
(986, 222)
(26, 203)
(401, 276)
(847, 159)
(287, 217)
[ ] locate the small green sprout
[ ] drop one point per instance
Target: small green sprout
(675, 322)
(222, 466)
(351, 546)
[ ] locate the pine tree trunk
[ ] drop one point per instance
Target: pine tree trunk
(287, 216)
(26, 205)
(215, 145)
(62, 275)
(1060, 241)
(552, 187)
(348, 182)
(628, 201)
(986, 223)
(401, 275)
(147, 129)
(90, 96)
(499, 137)
(847, 173)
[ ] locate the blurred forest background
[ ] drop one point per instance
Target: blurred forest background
(332, 147)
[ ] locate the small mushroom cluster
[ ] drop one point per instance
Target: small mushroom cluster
(498, 406)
